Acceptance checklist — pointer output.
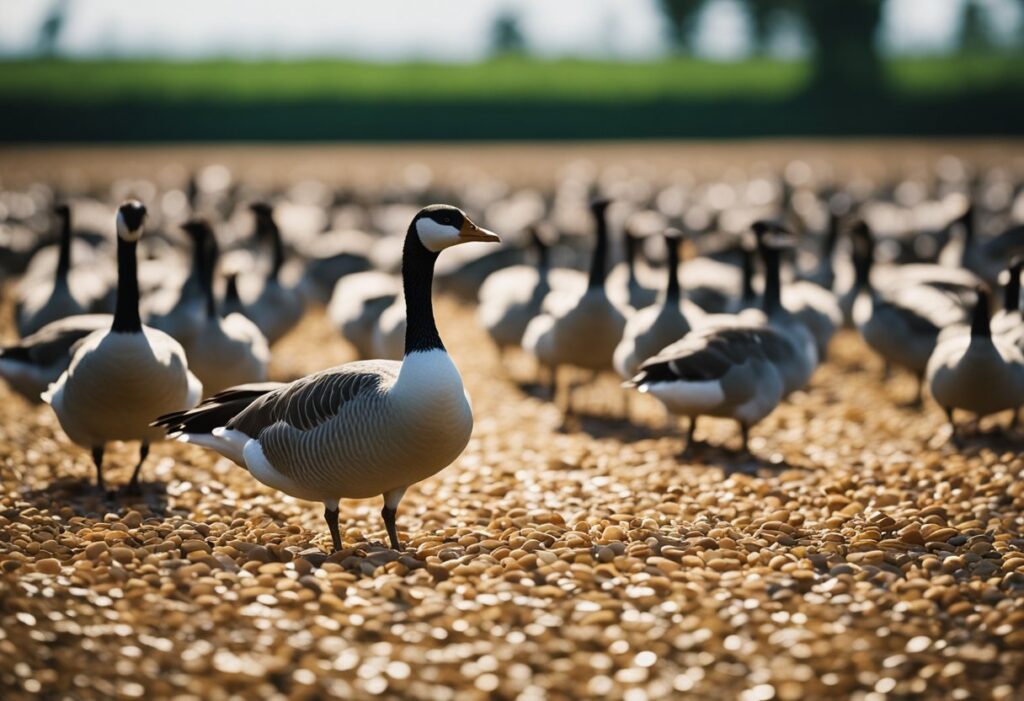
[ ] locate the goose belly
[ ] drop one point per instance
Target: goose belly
(117, 384)
(979, 380)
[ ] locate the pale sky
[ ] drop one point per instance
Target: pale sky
(444, 30)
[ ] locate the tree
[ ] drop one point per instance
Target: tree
(506, 35)
(681, 16)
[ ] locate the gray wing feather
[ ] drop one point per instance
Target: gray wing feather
(310, 401)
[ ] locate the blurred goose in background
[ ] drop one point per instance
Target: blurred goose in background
(977, 372)
(41, 301)
(1009, 321)
(276, 309)
(357, 303)
(510, 298)
(360, 429)
(652, 328)
(630, 283)
(180, 313)
(37, 361)
(223, 351)
(985, 259)
(729, 372)
(901, 324)
(579, 330)
(120, 378)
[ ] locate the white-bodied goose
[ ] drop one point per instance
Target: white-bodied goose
(652, 328)
(579, 330)
(901, 324)
(34, 363)
(511, 297)
(120, 378)
(977, 372)
(356, 304)
(360, 429)
(181, 312)
(277, 309)
(44, 302)
(730, 372)
(224, 351)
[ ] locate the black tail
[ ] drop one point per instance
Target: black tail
(216, 411)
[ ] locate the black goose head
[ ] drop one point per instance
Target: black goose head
(130, 218)
(440, 226)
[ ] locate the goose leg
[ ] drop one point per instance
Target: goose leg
(745, 434)
(553, 382)
(919, 396)
(97, 457)
(690, 443)
(133, 484)
(331, 516)
(952, 424)
(390, 510)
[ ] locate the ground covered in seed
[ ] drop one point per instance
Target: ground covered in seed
(854, 554)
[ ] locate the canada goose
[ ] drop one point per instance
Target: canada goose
(1009, 321)
(824, 274)
(727, 372)
(579, 330)
(652, 328)
(627, 281)
(228, 351)
(901, 324)
(357, 303)
(389, 331)
(511, 297)
(43, 302)
(986, 260)
(360, 429)
(32, 364)
(120, 378)
(181, 313)
(277, 309)
(977, 372)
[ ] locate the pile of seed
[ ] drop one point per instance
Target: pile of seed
(856, 555)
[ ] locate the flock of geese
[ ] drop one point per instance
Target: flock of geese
(170, 335)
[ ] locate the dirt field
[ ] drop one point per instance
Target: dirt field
(857, 555)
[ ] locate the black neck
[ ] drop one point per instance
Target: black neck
(599, 259)
(269, 227)
(967, 220)
(209, 255)
(417, 283)
(672, 288)
(1011, 293)
(748, 293)
(231, 291)
(64, 257)
(772, 282)
(979, 321)
(863, 259)
(198, 242)
(832, 235)
(126, 315)
(542, 253)
(631, 248)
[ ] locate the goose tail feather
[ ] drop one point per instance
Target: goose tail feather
(214, 412)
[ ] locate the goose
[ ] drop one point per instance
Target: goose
(389, 331)
(181, 313)
(34, 363)
(796, 366)
(357, 303)
(359, 429)
(824, 274)
(900, 324)
(977, 372)
(223, 351)
(510, 298)
(986, 260)
(627, 280)
(654, 327)
(277, 309)
(121, 377)
(1009, 321)
(579, 330)
(728, 372)
(40, 303)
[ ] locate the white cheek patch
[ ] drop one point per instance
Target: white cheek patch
(124, 232)
(436, 237)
